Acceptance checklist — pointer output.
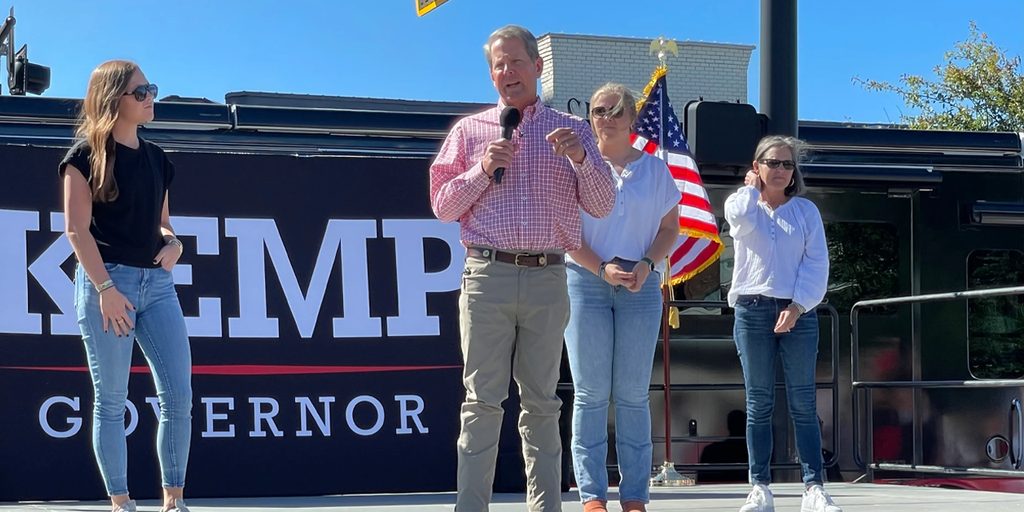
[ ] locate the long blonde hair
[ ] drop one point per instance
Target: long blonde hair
(98, 116)
(626, 103)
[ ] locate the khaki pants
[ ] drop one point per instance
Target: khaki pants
(512, 321)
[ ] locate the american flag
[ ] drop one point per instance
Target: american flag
(700, 244)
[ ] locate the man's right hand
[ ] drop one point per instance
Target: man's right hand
(498, 154)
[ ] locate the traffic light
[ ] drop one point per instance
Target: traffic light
(26, 77)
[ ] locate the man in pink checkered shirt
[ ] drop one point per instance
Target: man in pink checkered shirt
(514, 305)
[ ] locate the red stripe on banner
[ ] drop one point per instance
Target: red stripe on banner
(253, 369)
(650, 147)
(696, 202)
(683, 249)
(697, 225)
(704, 255)
(685, 174)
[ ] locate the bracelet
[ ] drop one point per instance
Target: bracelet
(600, 270)
(174, 241)
(649, 262)
(105, 286)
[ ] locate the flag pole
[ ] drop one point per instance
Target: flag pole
(667, 476)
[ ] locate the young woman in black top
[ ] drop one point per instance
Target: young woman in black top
(117, 220)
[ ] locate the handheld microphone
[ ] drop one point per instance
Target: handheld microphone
(509, 119)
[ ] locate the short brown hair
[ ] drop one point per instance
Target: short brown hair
(513, 32)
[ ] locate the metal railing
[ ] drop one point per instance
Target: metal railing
(870, 466)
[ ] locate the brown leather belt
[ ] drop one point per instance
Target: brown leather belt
(521, 259)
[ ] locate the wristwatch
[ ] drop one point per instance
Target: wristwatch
(799, 309)
(649, 262)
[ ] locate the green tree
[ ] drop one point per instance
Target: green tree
(978, 88)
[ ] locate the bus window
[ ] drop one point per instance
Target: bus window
(995, 325)
(864, 264)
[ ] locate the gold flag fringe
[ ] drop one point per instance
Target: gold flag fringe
(659, 72)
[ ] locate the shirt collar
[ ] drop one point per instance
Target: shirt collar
(529, 113)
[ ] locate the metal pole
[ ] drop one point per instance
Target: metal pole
(779, 66)
(667, 371)
(664, 296)
(7, 46)
(668, 474)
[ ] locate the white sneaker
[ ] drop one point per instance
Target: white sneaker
(817, 500)
(179, 506)
(760, 500)
(128, 506)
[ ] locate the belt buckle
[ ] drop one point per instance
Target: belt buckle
(542, 260)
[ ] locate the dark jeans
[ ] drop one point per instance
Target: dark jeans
(758, 347)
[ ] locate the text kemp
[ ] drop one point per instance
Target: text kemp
(344, 243)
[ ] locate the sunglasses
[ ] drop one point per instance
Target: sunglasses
(141, 91)
(602, 112)
(789, 165)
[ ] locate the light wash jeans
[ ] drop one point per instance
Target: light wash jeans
(758, 347)
(611, 338)
(160, 330)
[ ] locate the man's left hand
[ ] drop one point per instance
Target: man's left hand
(565, 142)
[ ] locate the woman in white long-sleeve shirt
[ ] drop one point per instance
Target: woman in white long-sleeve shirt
(780, 275)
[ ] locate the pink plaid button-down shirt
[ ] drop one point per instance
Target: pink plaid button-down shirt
(536, 207)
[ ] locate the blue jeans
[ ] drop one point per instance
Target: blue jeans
(611, 337)
(758, 347)
(160, 330)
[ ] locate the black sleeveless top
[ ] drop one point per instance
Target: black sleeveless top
(127, 230)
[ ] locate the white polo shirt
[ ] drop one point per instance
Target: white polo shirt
(644, 193)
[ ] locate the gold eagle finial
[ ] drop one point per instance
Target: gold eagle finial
(663, 47)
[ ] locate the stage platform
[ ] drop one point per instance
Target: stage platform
(710, 498)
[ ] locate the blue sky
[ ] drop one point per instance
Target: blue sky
(380, 48)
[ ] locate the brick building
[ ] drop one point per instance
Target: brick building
(576, 65)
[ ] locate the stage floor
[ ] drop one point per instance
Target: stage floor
(711, 498)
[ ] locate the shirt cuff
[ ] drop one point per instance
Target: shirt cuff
(477, 177)
(582, 168)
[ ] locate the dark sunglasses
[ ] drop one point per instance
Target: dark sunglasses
(789, 165)
(603, 112)
(141, 91)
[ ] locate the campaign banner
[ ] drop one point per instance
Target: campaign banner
(320, 295)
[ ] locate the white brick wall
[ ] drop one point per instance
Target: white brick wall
(576, 65)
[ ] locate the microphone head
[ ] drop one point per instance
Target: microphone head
(510, 117)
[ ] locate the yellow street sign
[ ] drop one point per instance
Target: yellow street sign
(425, 6)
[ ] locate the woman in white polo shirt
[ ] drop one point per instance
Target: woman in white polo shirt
(780, 276)
(615, 301)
